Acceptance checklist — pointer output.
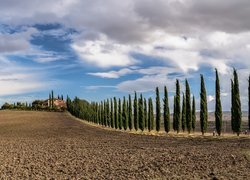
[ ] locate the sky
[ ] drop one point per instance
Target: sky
(97, 49)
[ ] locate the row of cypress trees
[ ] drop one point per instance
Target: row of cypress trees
(139, 114)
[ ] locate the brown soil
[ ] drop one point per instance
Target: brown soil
(43, 145)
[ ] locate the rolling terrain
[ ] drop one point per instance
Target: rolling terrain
(39, 145)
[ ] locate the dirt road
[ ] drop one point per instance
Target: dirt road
(39, 145)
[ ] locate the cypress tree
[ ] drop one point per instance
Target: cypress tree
(193, 114)
(188, 108)
(49, 105)
(105, 113)
(115, 113)
(130, 123)
(218, 108)
(158, 110)
(112, 113)
(150, 115)
(119, 114)
(141, 113)
(166, 111)
(174, 114)
(177, 107)
(232, 106)
(124, 114)
(108, 113)
(237, 104)
(145, 113)
(249, 103)
(203, 107)
(102, 113)
(183, 116)
(135, 112)
(52, 99)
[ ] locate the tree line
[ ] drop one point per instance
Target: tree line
(138, 113)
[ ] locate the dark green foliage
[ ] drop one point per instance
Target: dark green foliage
(130, 121)
(52, 99)
(158, 111)
(174, 114)
(232, 106)
(150, 115)
(177, 117)
(193, 114)
(218, 107)
(145, 113)
(105, 113)
(183, 115)
(203, 107)
(135, 112)
(112, 113)
(115, 113)
(120, 114)
(249, 103)
(166, 113)
(188, 108)
(237, 105)
(108, 113)
(141, 113)
(124, 114)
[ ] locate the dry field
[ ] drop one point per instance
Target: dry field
(46, 145)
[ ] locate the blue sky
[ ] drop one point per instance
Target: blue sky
(96, 50)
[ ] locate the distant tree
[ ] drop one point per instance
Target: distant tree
(105, 113)
(61, 97)
(124, 114)
(158, 110)
(120, 114)
(141, 113)
(166, 112)
(108, 113)
(112, 113)
(237, 104)
(232, 106)
(135, 112)
(203, 107)
(150, 115)
(130, 115)
(145, 113)
(115, 113)
(183, 116)
(193, 114)
(188, 108)
(174, 114)
(177, 107)
(52, 99)
(218, 108)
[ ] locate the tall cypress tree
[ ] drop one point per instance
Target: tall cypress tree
(218, 108)
(102, 113)
(145, 113)
(124, 114)
(203, 107)
(237, 104)
(158, 110)
(112, 113)
(232, 106)
(174, 114)
(188, 108)
(105, 113)
(130, 123)
(150, 115)
(177, 107)
(49, 105)
(249, 103)
(166, 112)
(141, 113)
(52, 99)
(108, 113)
(119, 114)
(115, 113)
(183, 116)
(193, 114)
(135, 112)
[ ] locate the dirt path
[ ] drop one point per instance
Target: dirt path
(40, 145)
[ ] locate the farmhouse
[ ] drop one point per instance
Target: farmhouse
(58, 103)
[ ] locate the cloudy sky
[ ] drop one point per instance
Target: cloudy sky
(97, 49)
